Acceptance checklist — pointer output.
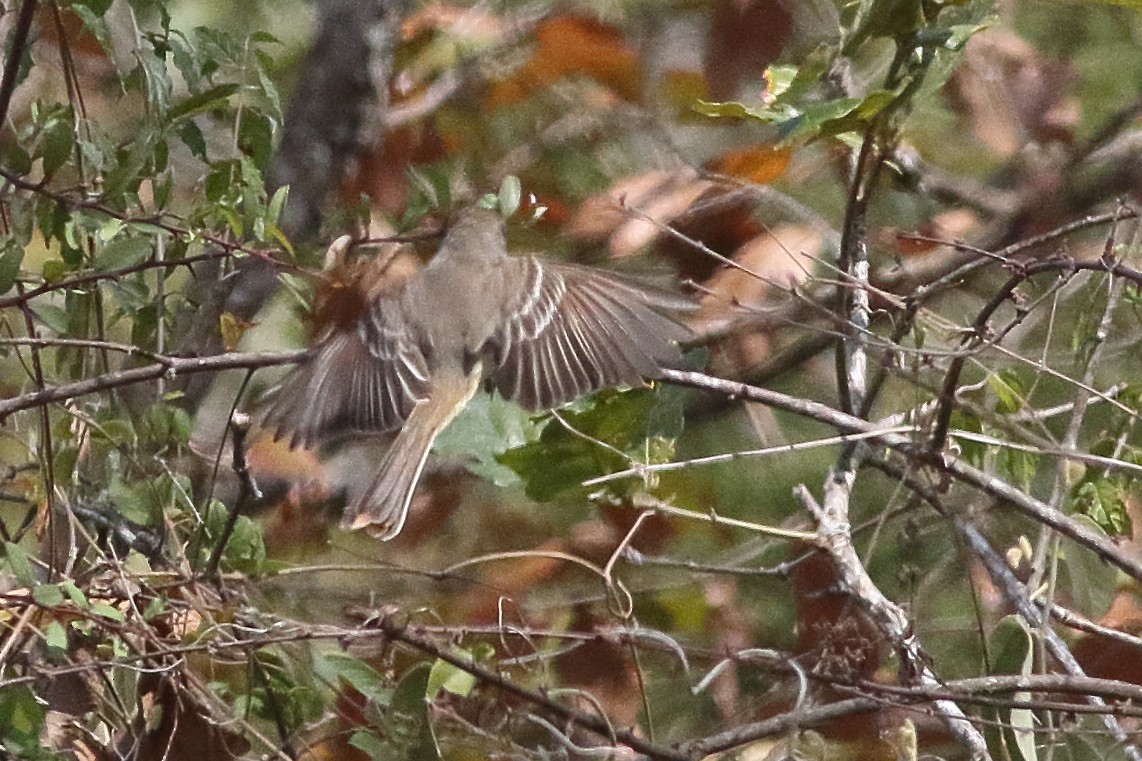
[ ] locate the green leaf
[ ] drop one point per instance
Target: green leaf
(14, 159)
(1086, 739)
(1088, 579)
(256, 137)
(23, 217)
(371, 745)
(1020, 466)
(20, 565)
(11, 257)
(276, 204)
(1022, 722)
(1008, 390)
(1011, 652)
(207, 100)
(155, 608)
(734, 111)
(486, 428)
(779, 79)
(123, 253)
(827, 122)
(22, 717)
(156, 81)
(131, 293)
(1009, 646)
(1132, 294)
(54, 318)
(78, 598)
(107, 611)
(810, 121)
(959, 34)
(222, 174)
(1103, 500)
(449, 678)
(276, 694)
(973, 451)
(511, 191)
(54, 270)
(888, 18)
(166, 425)
(97, 7)
(57, 143)
(47, 595)
(335, 667)
(192, 137)
(561, 459)
(409, 702)
(274, 233)
(110, 229)
(246, 550)
(687, 606)
(55, 636)
(134, 501)
(53, 219)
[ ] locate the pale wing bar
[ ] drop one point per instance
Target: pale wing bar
(575, 330)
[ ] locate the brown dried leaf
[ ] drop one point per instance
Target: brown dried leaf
(834, 634)
(745, 37)
(172, 726)
(602, 667)
(1010, 93)
(620, 213)
(572, 46)
(777, 259)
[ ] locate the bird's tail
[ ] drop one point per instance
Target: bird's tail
(383, 507)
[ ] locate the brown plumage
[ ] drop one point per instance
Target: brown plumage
(541, 333)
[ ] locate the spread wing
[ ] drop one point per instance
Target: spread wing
(366, 379)
(573, 330)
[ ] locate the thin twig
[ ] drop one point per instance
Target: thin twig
(956, 468)
(394, 631)
(247, 491)
(835, 537)
(1013, 590)
(165, 365)
(18, 44)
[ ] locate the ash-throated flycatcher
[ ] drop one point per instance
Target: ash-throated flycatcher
(541, 333)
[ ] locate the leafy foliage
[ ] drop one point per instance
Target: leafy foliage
(939, 213)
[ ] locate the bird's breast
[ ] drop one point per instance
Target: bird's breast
(455, 312)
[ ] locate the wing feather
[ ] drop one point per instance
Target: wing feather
(572, 330)
(366, 379)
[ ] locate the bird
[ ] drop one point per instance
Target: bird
(538, 332)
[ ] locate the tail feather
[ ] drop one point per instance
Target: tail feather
(383, 508)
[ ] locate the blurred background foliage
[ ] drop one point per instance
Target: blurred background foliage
(157, 603)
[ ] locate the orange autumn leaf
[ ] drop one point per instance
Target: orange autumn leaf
(761, 163)
(572, 45)
(64, 26)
